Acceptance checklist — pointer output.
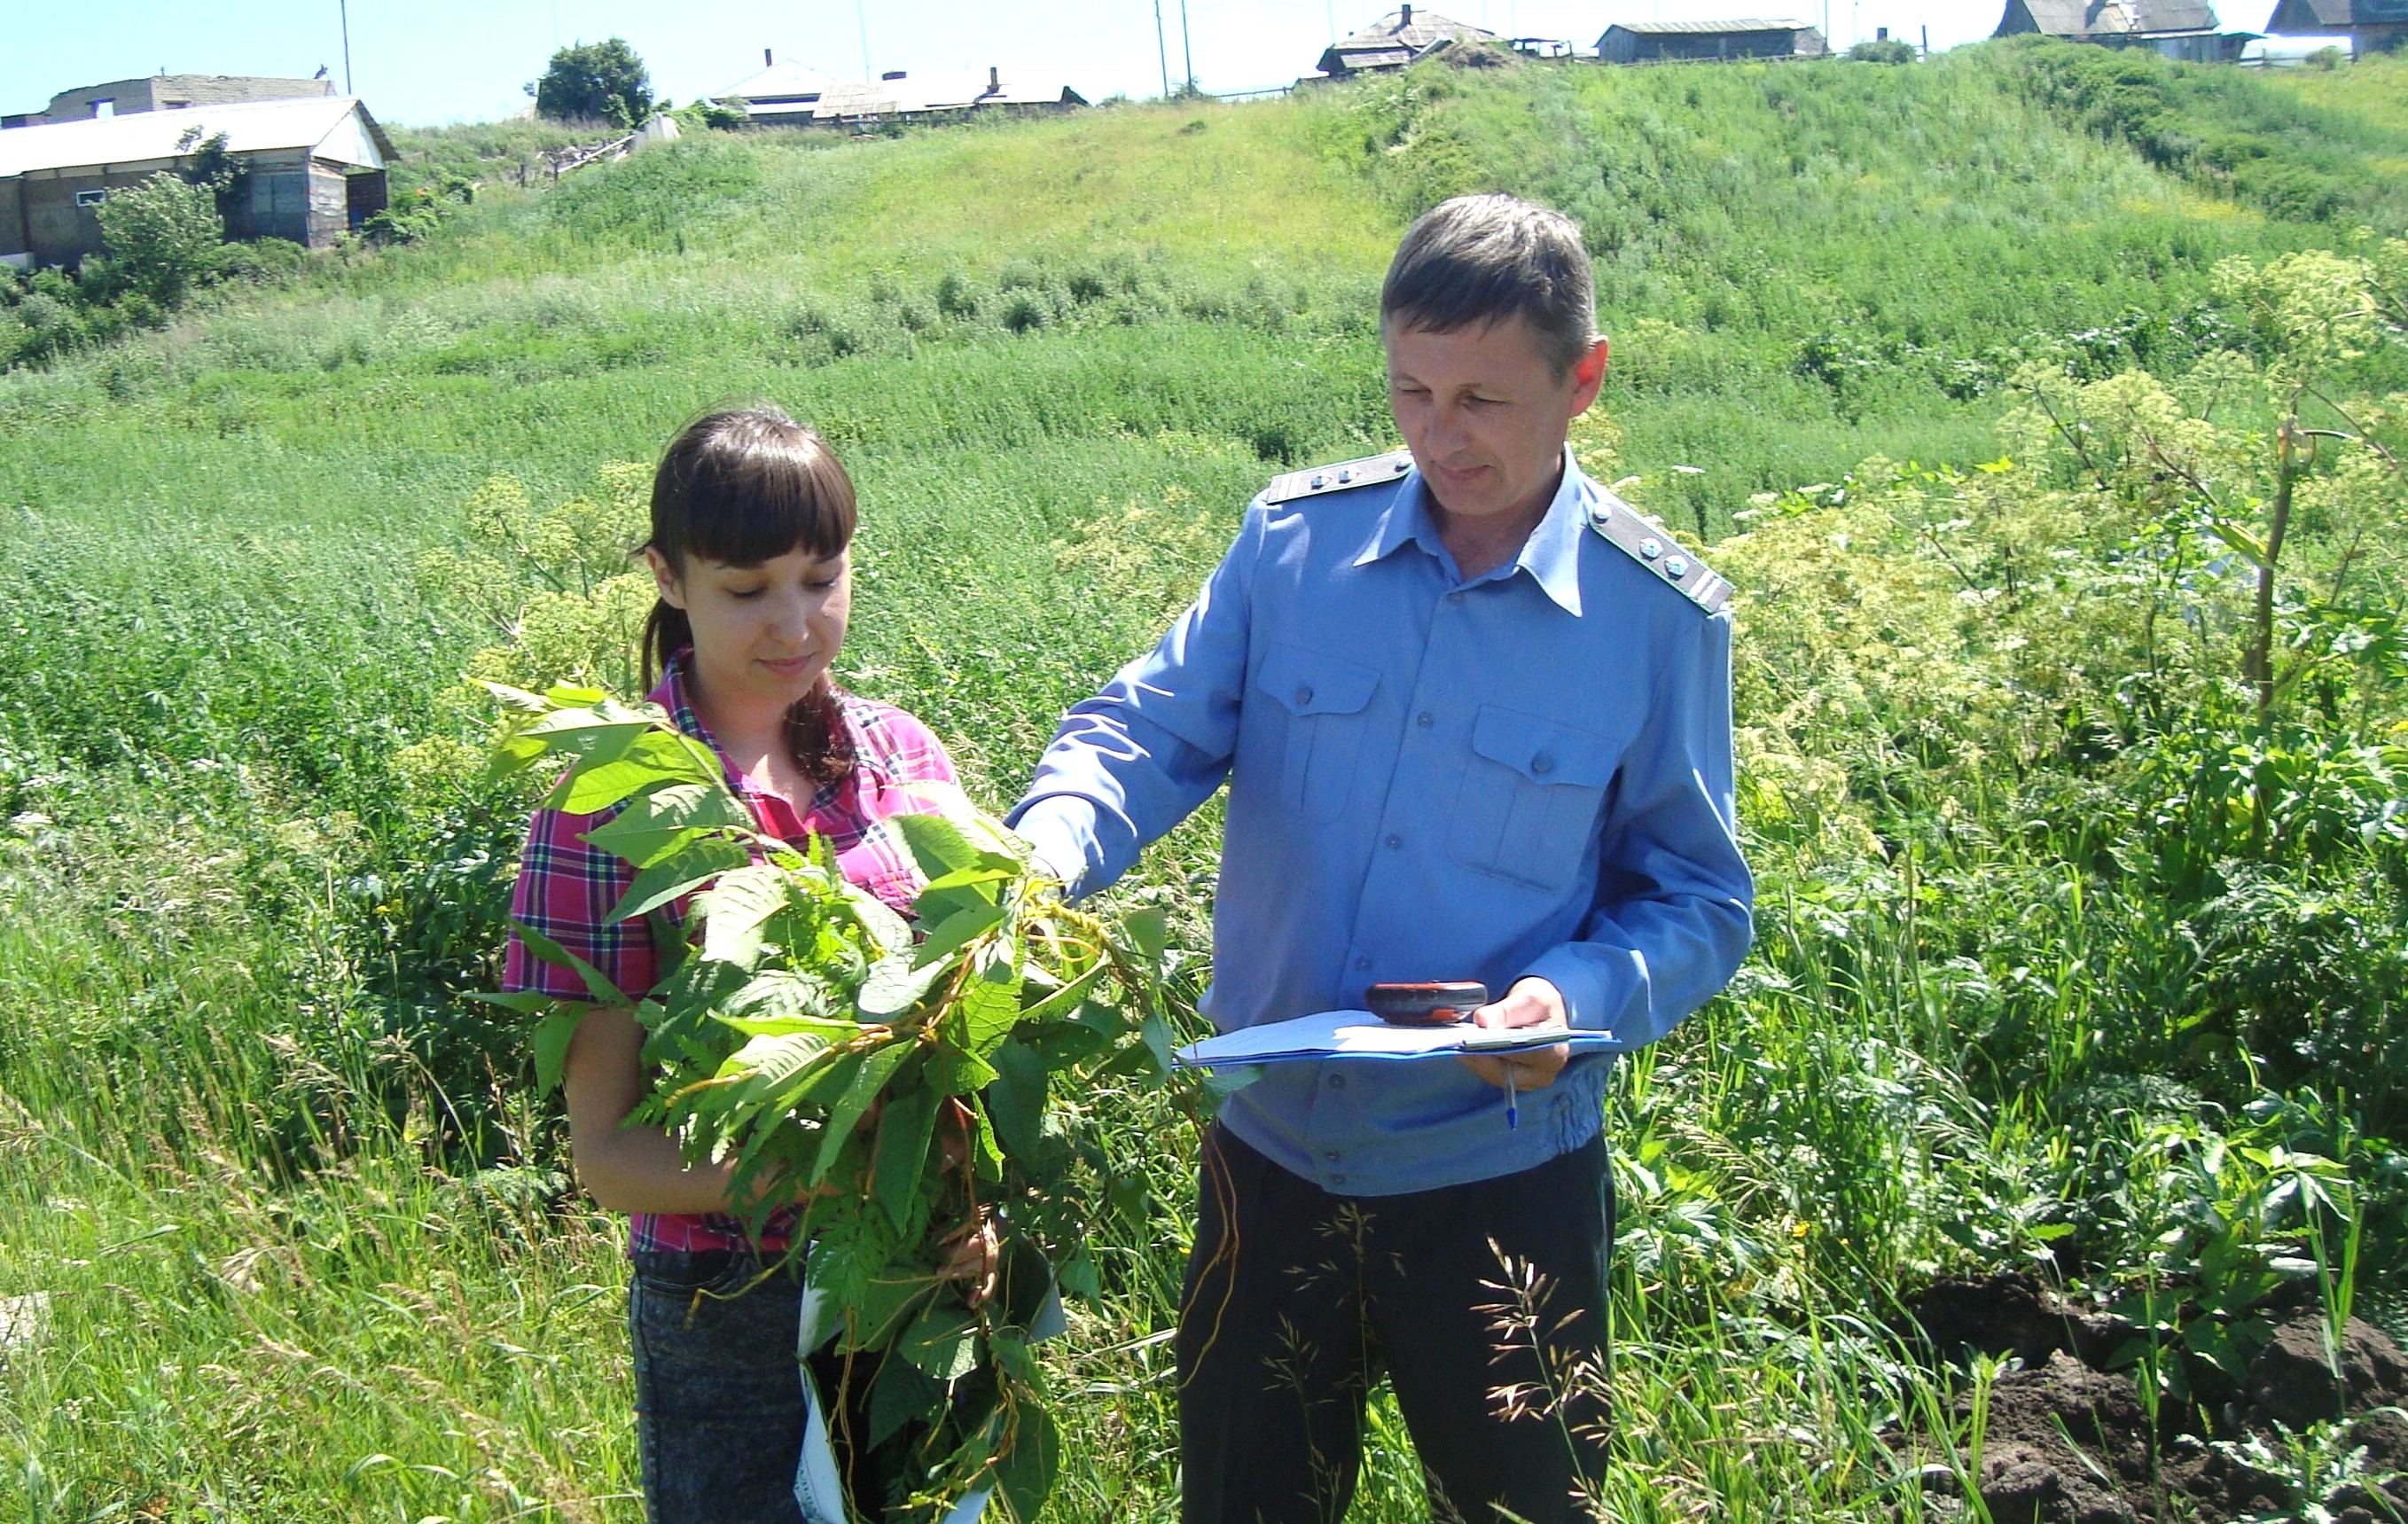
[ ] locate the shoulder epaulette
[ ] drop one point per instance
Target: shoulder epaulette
(1621, 526)
(1346, 474)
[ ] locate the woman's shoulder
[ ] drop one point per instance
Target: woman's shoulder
(894, 740)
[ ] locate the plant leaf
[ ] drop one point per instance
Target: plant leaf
(877, 1067)
(783, 992)
(957, 930)
(603, 991)
(1065, 998)
(736, 908)
(942, 1342)
(983, 1151)
(888, 932)
(551, 1035)
(902, 1393)
(902, 1155)
(1017, 1097)
(675, 877)
(656, 824)
(766, 1063)
(894, 987)
(1024, 1472)
(988, 1009)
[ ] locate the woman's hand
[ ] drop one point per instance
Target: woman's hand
(976, 1257)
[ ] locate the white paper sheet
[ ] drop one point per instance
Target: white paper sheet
(1359, 1034)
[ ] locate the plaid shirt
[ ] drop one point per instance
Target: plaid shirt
(566, 890)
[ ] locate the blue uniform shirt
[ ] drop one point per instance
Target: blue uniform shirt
(1524, 773)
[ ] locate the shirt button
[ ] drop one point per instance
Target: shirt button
(1454, 597)
(1331, 1156)
(1395, 841)
(1338, 1180)
(1424, 719)
(1337, 1081)
(1304, 695)
(1362, 963)
(1542, 765)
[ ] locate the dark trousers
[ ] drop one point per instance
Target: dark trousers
(719, 1395)
(1483, 1304)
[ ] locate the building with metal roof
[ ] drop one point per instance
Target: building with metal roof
(1395, 40)
(309, 170)
(2185, 29)
(1657, 42)
(792, 94)
(2372, 26)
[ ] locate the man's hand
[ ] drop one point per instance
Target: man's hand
(1531, 1002)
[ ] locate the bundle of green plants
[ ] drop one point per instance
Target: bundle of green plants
(888, 1083)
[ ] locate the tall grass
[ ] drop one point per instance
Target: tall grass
(308, 1247)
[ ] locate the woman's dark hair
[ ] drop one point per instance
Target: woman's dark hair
(741, 487)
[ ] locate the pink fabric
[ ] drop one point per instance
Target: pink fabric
(566, 890)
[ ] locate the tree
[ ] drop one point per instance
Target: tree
(164, 234)
(596, 82)
(208, 163)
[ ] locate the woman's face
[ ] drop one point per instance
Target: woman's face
(763, 634)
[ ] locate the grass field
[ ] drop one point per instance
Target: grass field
(2069, 955)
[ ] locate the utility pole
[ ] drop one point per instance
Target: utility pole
(1162, 47)
(861, 20)
(1186, 47)
(343, 8)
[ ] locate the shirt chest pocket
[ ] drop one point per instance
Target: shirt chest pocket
(1323, 707)
(1531, 795)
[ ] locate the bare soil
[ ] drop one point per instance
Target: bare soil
(2069, 1441)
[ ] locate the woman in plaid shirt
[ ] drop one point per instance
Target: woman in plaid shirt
(752, 519)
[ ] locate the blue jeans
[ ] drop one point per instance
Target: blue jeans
(719, 1398)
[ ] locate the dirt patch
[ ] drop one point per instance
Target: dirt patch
(2013, 1315)
(2066, 1441)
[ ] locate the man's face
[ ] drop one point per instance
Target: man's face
(1484, 412)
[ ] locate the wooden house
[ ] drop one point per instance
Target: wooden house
(311, 169)
(1395, 40)
(2372, 26)
(2184, 29)
(1659, 42)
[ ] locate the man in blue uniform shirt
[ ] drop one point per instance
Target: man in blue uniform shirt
(1474, 715)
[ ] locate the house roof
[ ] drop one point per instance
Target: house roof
(1710, 28)
(787, 81)
(2340, 13)
(1394, 39)
(2116, 18)
(336, 127)
(909, 95)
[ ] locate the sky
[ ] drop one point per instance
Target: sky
(436, 61)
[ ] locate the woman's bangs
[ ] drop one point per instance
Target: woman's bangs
(757, 486)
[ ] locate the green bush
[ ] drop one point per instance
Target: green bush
(165, 235)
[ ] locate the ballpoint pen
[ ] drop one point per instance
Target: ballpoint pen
(1512, 1111)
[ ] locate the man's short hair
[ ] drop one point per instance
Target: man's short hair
(1486, 258)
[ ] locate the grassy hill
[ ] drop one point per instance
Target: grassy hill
(305, 1241)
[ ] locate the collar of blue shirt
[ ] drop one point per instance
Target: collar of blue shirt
(1551, 555)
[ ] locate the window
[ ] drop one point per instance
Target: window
(91, 198)
(104, 109)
